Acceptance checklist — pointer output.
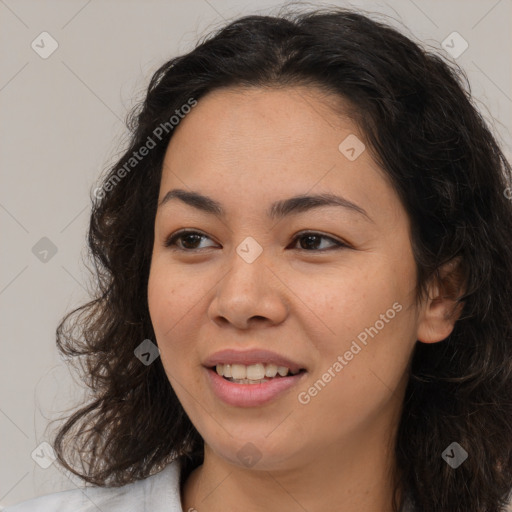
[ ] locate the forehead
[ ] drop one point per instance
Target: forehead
(270, 142)
(270, 117)
(271, 129)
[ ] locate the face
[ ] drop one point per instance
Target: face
(330, 287)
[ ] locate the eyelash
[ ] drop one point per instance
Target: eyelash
(170, 241)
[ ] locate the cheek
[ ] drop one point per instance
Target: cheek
(161, 300)
(172, 293)
(356, 381)
(170, 301)
(371, 336)
(349, 301)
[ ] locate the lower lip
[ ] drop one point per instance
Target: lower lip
(251, 395)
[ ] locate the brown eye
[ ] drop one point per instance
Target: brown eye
(188, 240)
(311, 241)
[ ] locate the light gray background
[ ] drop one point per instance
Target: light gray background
(62, 124)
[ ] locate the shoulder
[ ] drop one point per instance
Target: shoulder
(159, 493)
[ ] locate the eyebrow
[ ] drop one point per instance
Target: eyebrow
(277, 210)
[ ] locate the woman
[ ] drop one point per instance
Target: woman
(312, 225)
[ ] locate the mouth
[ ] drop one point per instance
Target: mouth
(255, 373)
(245, 386)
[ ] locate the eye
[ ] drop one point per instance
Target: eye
(189, 238)
(311, 241)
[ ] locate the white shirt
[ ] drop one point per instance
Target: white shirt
(156, 493)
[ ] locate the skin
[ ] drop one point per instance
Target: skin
(246, 148)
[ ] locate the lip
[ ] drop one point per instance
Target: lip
(253, 356)
(251, 395)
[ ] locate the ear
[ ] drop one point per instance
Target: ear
(440, 310)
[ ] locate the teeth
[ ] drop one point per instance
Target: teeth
(270, 370)
(282, 370)
(247, 381)
(238, 371)
(253, 372)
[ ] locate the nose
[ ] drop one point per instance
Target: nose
(249, 295)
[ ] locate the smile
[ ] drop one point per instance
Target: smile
(250, 389)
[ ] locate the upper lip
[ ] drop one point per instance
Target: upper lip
(248, 357)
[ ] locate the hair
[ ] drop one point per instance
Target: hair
(418, 119)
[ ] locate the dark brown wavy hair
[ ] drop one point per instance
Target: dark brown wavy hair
(420, 123)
